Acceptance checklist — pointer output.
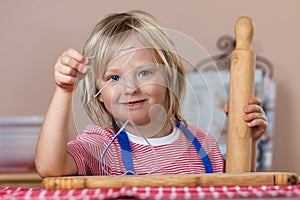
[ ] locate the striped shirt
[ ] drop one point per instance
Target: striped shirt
(172, 154)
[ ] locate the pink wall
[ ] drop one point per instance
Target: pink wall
(34, 33)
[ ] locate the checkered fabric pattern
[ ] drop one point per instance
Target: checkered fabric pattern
(269, 192)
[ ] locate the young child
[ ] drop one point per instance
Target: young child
(132, 82)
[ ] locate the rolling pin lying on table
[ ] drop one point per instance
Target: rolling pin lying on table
(173, 180)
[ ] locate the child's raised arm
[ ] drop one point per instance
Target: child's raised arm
(52, 158)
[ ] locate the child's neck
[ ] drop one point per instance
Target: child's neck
(150, 130)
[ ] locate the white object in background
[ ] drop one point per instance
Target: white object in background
(206, 95)
(18, 137)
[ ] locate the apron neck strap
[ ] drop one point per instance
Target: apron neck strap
(127, 152)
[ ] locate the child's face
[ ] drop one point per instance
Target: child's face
(133, 84)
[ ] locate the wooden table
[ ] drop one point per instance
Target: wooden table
(28, 186)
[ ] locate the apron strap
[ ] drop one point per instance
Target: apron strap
(127, 152)
(201, 152)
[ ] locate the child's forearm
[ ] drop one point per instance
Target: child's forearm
(51, 155)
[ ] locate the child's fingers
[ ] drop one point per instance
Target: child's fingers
(69, 61)
(67, 71)
(65, 80)
(70, 66)
(74, 64)
(255, 100)
(75, 60)
(76, 55)
(253, 116)
(258, 122)
(259, 127)
(83, 69)
(253, 108)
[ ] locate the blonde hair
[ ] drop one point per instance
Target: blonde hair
(103, 41)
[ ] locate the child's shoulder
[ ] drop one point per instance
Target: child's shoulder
(94, 130)
(198, 130)
(201, 133)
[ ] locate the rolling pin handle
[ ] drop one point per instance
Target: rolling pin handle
(244, 32)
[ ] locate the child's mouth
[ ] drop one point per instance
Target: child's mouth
(135, 103)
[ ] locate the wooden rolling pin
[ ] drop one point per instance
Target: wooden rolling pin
(242, 69)
(172, 180)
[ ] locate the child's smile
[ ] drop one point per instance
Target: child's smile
(132, 104)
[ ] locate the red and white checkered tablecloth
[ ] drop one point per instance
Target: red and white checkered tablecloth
(271, 192)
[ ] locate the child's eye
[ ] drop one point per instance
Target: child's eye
(115, 78)
(144, 73)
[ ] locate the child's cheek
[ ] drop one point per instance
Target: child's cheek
(157, 92)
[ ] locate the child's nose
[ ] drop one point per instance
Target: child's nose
(130, 84)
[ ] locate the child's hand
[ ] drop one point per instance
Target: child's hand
(67, 67)
(254, 116)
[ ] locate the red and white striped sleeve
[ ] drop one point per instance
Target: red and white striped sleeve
(87, 148)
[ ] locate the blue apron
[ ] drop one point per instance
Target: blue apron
(126, 151)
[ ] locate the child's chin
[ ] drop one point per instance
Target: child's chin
(136, 121)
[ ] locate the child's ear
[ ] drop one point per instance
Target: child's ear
(100, 98)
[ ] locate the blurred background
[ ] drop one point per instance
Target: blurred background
(34, 33)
